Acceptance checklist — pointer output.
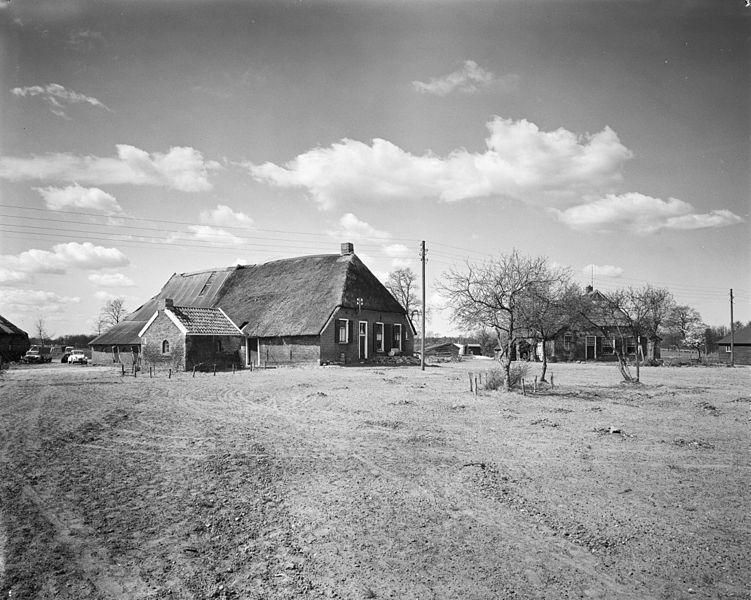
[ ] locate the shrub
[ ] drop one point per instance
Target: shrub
(518, 371)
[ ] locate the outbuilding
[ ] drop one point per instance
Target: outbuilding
(741, 347)
(14, 341)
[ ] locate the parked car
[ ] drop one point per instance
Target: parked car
(37, 354)
(77, 357)
(66, 354)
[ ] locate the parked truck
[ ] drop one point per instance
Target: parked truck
(37, 354)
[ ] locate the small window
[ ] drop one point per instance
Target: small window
(343, 325)
(379, 341)
(165, 347)
(727, 349)
(567, 342)
(398, 336)
(219, 345)
(630, 345)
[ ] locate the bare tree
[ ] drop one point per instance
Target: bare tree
(402, 284)
(545, 309)
(490, 295)
(40, 327)
(112, 312)
(632, 312)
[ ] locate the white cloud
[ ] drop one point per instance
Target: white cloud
(352, 229)
(397, 250)
(182, 168)
(13, 277)
(470, 78)
(103, 296)
(206, 234)
(641, 215)
(57, 97)
(63, 257)
(76, 196)
(520, 161)
(111, 280)
(36, 302)
(224, 216)
(602, 270)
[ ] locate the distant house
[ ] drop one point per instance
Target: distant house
(741, 347)
(453, 350)
(326, 308)
(14, 342)
(604, 332)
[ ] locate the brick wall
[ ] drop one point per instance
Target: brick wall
(332, 351)
(163, 329)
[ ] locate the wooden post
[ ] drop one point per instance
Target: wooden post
(151, 372)
(470, 381)
(134, 370)
(552, 382)
(214, 369)
(534, 389)
(194, 370)
(169, 375)
(122, 370)
(524, 389)
(476, 388)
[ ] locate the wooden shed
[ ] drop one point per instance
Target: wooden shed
(741, 347)
(14, 341)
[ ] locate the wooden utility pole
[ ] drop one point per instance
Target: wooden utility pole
(422, 313)
(732, 331)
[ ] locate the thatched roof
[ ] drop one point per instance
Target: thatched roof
(8, 328)
(288, 297)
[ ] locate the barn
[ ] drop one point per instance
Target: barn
(741, 347)
(326, 308)
(14, 342)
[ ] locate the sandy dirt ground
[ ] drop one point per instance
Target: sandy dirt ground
(374, 483)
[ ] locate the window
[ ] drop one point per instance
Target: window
(630, 345)
(608, 346)
(379, 341)
(727, 349)
(165, 347)
(398, 336)
(343, 333)
(219, 345)
(568, 341)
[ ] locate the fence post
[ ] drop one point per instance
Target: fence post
(214, 369)
(470, 381)
(194, 370)
(552, 384)
(169, 375)
(524, 389)
(534, 389)
(122, 370)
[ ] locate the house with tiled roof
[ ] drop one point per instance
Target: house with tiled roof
(184, 337)
(325, 308)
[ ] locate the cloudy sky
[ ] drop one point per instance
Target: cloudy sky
(140, 138)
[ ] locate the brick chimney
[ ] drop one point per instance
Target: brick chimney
(348, 248)
(165, 303)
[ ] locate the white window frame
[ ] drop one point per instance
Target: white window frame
(728, 349)
(393, 334)
(361, 336)
(380, 346)
(345, 329)
(568, 341)
(168, 350)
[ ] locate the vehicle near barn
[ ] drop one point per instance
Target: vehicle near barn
(77, 357)
(37, 355)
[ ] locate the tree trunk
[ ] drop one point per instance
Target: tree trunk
(623, 367)
(544, 361)
(506, 363)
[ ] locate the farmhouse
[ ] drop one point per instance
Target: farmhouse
(741, 347)
(326, 308)
(14, 342)
(597, 337)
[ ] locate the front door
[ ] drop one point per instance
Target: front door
(362, 350)
(591, 347)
